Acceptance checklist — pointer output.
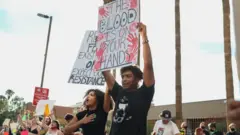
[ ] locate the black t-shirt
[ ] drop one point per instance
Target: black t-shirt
(206, 132)
(131, 110)
(233, 133)
(97, 126)
(217, 133)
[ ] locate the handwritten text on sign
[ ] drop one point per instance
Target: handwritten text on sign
(40, 94)
(82, 72)
(117, 42)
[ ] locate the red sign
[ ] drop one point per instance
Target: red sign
(40, 94)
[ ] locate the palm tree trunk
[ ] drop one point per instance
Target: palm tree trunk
(227, 51)
(178, 81)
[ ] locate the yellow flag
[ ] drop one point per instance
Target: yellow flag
(46, 111)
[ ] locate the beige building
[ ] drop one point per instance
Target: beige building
(76, 107)
(194, 113)
(203, 109)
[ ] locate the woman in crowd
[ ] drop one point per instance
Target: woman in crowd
(199, 131)
(46, 122)
(92, 120)
(54, 128)
(33, 127)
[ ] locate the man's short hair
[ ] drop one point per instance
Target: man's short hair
(135, 70)
(212, 125)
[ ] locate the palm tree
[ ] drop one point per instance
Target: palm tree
(227, 51)
(2, 98)
(3, 104)
(9, 93)
(178, 81)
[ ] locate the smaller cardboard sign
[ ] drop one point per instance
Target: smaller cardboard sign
(6, 122)
(42, 104)
(14, 127)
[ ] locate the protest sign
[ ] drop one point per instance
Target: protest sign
(6, 122)
(13, 127)
(41, 107)
(117, 38)
(24, 133)
(40, 94)
(82, 72)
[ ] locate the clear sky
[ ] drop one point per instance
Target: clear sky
(23, 37)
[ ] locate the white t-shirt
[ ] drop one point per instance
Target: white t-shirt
(165, 129)
(48, 133)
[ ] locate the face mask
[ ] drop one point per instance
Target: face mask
(202, 127)
(232, 129)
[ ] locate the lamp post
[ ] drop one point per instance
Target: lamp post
(46, 50)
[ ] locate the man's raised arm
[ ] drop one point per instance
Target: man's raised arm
(110, 80)
(107, 101)
(148, 74)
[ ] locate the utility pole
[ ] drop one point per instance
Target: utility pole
(46, 49)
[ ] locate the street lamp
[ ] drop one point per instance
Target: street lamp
(46, 50)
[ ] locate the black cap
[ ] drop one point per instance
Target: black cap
(166, 114)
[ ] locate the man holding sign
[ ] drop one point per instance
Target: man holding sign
(132, 102)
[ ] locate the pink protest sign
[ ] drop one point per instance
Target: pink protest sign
(117, 37)
(24, 133)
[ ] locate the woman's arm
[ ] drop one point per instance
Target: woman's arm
(44, 125)
(39, 130)
(75, 123)
(52, 116)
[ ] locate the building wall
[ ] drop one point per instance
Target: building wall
(194, 113)
(207, 109)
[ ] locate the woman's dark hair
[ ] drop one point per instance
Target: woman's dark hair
(57, 123)
(99, 96)
(68, 117)
(135, 70)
